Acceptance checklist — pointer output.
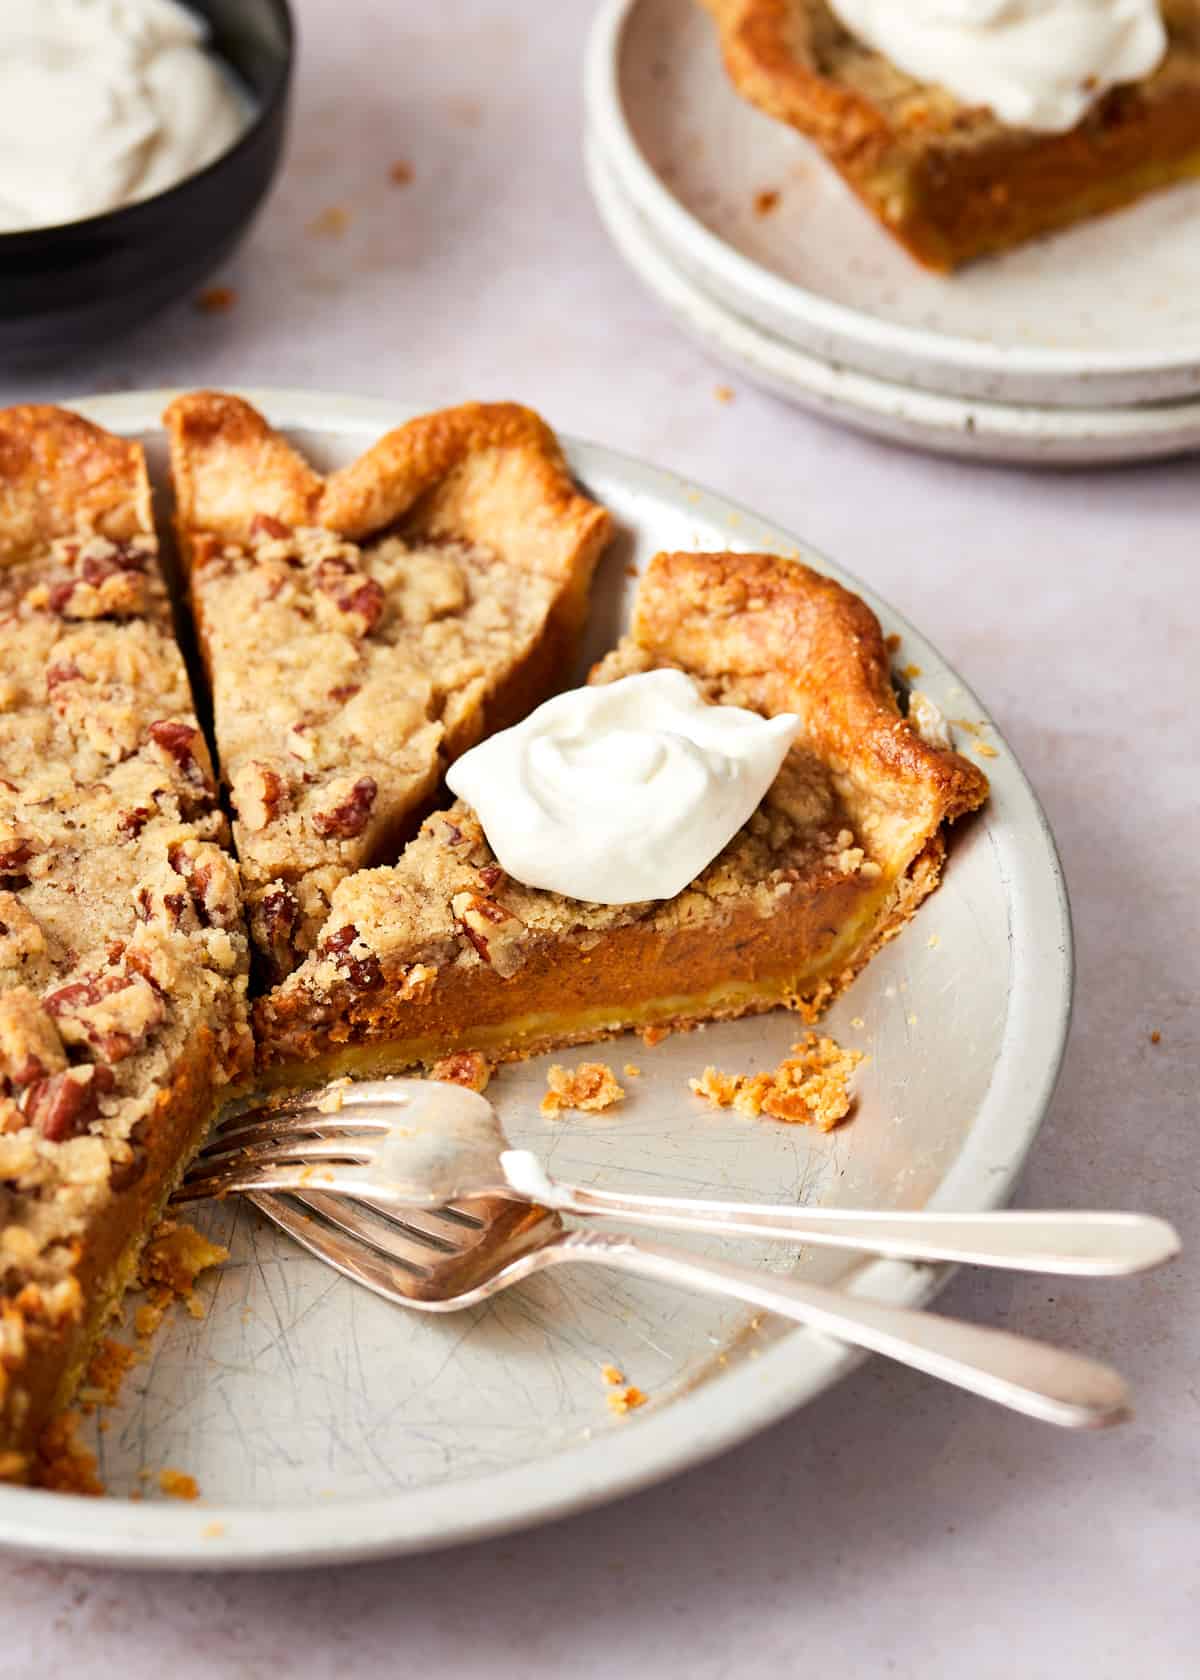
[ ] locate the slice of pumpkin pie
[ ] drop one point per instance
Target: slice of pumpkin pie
(450, 951)
(362, 630)
(123, 958)
(948, 174)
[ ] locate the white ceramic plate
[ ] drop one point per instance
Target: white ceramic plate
(948, 425)
(324, 1425)
(1105, 313)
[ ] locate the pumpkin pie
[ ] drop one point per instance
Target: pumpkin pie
(398, 610)
(123, 960)
(442, 952)
(952, 182)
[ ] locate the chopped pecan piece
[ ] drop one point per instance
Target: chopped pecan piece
(183, 745)
(211, 880)
(273, 921)
(16, 850)
(109, 582)
(258, 795)
(65, 1105)
(132, 822)
(358, 599)
(345, 809)
(115, 1013)
(361, 969)
(494, 931)
(30, 1045)
(490, 877)
(266, 525)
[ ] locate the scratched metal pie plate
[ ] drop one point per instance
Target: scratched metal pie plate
(322, 1424)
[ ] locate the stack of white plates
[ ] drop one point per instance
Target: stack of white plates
(1080, 348)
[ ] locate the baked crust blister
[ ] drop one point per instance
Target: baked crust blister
(399, 609)
(444, 951)
(952, 182)
(123, 960)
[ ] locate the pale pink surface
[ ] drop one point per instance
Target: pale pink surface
(892, 1527)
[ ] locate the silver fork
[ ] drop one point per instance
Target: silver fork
(418, 1143)
(441, 1260)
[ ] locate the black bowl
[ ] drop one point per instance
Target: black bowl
(72, 288)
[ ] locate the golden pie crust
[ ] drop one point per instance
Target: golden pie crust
(951, 182)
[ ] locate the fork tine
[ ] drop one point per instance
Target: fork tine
(204, 1181)
(390, 1278)
(400, 1235)
(346, 1146)
(352, 1098)
(248, 1132)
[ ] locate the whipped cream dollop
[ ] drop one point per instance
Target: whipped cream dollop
(622, 791)
(103, 102)
(1036, 63)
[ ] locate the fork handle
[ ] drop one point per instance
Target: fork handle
(1069, 1244)
(1027, 1376)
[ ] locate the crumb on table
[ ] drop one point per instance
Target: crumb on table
(809, 1086)
(631, 1071)
(591, 1086)
(626, 1401)
(470, 1068)
(177, 1484)
(212, 1531)
(654, 1035)
(331, 223)
(171, 1262)
(723, 393)
(766, 201)
(401, 173)
(216, 300)
(612, 1375)
(1156, 1038)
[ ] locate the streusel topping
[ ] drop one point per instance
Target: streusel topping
(371, 666)
(448, 902)
(120, 920)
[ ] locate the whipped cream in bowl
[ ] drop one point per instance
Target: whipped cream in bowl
(1038, 64)
(621, 792)
(104, 103)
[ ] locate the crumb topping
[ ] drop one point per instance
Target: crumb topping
(120, 919)
(373, 665)
(591, 1087)
(177, 1484)
(809, 1087)
(470, 1068)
